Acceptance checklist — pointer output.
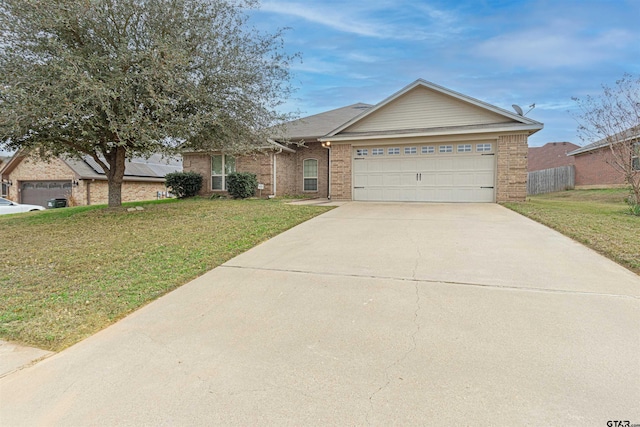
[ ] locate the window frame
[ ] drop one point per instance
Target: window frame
(311, 178)
(427, 149)
(224, 169)
(635, 157)
(484, 147)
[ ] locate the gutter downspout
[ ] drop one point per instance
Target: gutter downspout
(275, 174)
(327, 145)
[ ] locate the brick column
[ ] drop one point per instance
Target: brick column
(512, 168)
(341, 186)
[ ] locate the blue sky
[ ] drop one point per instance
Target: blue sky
(501, 52)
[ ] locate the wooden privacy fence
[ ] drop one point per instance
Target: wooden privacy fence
(550, 180)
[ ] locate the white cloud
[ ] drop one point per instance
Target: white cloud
(383, 20)
(556, 46)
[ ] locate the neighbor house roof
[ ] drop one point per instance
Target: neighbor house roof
(550, 155)
(631, 133)
(153, 168)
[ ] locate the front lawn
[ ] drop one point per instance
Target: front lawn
(67, 273)
(599, 219)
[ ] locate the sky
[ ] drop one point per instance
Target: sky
(500, 52)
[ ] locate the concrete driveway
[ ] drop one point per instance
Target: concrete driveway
(406, 314)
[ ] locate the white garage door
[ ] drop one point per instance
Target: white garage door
(461, 172)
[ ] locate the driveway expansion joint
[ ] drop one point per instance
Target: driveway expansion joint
(445, 282)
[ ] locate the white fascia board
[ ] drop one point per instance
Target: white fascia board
(531, 129)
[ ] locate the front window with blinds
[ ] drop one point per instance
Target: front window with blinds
(310, 175)
(221, 166)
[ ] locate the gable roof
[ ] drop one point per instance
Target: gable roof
(497, 119)
(550, 155)
(631, 133)
(153, 168)
(318, 125)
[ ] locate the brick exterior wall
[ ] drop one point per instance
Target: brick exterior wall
(286, 176)
(132, 191)
(289, 170)
(199, 163)
(259, 164)
(341, 187)
(512, 168)
(37, 170)
(56, 170)
(593, 170)
(316, 151)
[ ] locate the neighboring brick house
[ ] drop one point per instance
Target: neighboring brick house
(550, 155)
(4, 188)
(424, 143)
(593, 163)
(83, 182)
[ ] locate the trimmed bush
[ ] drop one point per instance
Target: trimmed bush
(184, 184)
(242, 184)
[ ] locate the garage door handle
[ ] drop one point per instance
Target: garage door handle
(486, 187)
(357, 187)
(418, 177)
(488, 154)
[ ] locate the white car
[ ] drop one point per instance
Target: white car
(9, 207)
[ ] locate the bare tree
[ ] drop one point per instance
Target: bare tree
(612, 119)
(117, 79)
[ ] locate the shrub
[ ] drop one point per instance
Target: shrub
(634, 207)
(241, 184)
(184, 184)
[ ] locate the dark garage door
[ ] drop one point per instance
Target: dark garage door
(38, 192)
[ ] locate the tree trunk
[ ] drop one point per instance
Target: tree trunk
(115, 175)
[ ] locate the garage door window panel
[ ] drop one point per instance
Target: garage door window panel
(483, 148)
(310, 175)
(428, 150)
(446, 149)
(464, 148)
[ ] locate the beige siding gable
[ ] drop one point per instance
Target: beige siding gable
(423, 108)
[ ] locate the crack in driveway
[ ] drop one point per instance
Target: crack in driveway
(402, 358)
(446, 282)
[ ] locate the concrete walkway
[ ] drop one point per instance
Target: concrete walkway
(371, 314)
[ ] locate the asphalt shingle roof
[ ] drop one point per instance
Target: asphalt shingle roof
(319, 125)
(633, 132)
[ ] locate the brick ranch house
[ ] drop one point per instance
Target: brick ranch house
(423, 143)
(34, 181)
(593, 163)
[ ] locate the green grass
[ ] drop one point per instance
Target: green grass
(67, 273)
(599, 219)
